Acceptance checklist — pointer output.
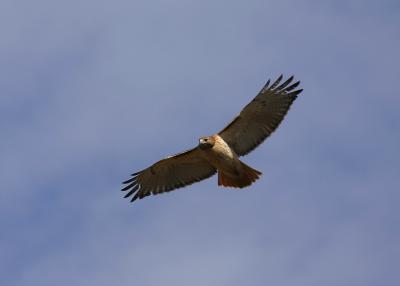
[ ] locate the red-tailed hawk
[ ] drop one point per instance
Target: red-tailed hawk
(220, 152)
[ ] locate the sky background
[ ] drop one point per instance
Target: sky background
(91, 91)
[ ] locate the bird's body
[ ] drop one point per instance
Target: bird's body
(221, 156)
(220, 152)
(231, 171)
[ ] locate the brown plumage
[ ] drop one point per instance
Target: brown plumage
(220, 152)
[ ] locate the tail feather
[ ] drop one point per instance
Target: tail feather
(244, 179)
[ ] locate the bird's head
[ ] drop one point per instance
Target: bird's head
(206, 142)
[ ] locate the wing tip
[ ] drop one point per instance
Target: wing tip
(134, 198)
(296, 92)
(127, 187)
(128, 181)
(132, 186)
(284, 87)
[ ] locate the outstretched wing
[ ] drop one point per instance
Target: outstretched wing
(261, 116)
(169, 174)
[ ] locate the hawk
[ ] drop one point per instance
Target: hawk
(221, 151)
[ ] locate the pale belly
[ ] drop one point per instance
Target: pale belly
(222, 157)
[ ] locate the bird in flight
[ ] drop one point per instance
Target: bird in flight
(221, 151)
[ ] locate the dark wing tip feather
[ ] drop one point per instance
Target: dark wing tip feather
(134, 176)
(134, 189)
(295, 93)
(135, 197)
(128, 194)
(283, 85)
(129, 186)
(278, 80)
(291, 87)
(265, 87)
(140, 195)
(129, 180)
(133, 185)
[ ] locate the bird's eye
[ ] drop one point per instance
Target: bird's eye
(205, 139)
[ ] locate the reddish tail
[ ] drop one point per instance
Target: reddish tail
(244, 179)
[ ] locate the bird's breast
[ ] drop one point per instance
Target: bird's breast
(222, 156)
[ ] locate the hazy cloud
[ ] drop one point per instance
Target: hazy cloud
(92, 90)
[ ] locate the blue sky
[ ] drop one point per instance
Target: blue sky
(92, 91)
